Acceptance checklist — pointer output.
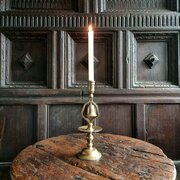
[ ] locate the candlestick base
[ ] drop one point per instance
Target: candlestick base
(91, 154)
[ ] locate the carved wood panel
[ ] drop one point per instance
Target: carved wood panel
(154, 60)
(74, 47)
(24, 59)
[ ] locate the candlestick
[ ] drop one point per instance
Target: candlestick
(90, 112)
(90, 54)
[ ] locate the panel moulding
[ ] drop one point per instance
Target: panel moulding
(23, 69)
(128, 21)
(166, 69)
(75, 53)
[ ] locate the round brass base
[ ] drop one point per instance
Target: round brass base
(91, 154)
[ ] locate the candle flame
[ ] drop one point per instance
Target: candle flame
(90, 28)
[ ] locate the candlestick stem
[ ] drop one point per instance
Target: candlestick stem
(90, 137)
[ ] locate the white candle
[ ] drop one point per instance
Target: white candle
(90, 54)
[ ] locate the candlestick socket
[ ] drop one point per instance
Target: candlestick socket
(91, 87)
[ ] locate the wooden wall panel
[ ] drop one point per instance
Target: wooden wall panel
(155, 60)
(116, 119)
(163, 124)
(24, 59)
(17, 129)
(64, 119)
(76, 59)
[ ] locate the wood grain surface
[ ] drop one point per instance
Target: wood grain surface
(122, 158)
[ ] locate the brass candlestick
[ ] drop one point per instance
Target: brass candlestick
(90, 112)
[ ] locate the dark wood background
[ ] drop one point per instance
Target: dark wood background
(43, 75)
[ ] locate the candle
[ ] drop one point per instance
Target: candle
(90, 54)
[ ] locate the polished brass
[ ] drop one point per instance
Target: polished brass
(90, 112)
(85, 129)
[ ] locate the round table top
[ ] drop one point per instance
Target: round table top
(122, 158)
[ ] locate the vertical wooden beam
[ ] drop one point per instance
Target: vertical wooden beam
(178, 56)
(127, 59)
(98, 6)
(61, 59)
(102, 5)
(133, 120)
(95, 6)
(177, 5)
(7, 5)
(42, 122)
(2, 59)
(54, 60)
(119, 70)
(84, 6)
(2, 5)
(141, 132)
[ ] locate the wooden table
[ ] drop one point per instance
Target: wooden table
(123, 158)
